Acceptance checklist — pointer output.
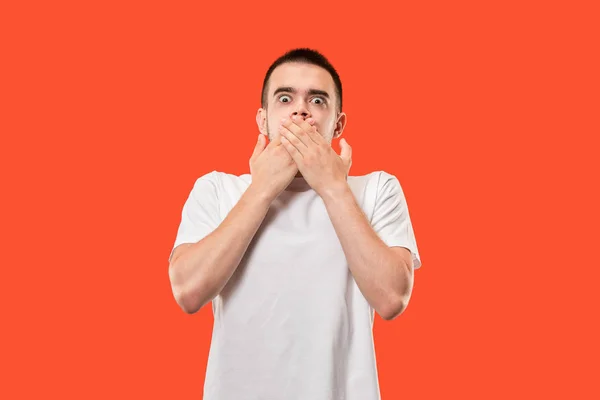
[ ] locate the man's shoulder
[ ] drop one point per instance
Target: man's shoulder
(376, 183)
(221, 180)
(378, 176)
(216, 175)
(375, 173)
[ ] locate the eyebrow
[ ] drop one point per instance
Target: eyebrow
(290, 89)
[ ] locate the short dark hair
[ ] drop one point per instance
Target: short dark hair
(307, 56)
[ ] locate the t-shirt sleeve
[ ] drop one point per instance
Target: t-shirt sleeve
(200, 215)
(391, 219)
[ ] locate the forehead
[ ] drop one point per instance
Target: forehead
(301, 77)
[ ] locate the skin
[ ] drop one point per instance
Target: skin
(320, 110)
(300, 126)
(306, 123)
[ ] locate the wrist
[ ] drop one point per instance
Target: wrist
(259, 195)
(336, 192)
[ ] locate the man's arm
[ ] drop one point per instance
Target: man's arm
(383, 274)
(199, 271)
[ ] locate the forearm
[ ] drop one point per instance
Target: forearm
(384, 280)
(201, 270)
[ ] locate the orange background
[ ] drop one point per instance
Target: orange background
(487, 112)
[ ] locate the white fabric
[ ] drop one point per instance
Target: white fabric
(291, 323)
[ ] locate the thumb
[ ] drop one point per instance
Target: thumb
(346, 153)
(276, 141)
(260, 145)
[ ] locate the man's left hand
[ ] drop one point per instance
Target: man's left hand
(322, 168)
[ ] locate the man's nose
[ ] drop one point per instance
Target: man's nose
(300, 109)
(303, 113)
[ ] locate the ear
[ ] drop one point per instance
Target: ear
(340, 125)
(261, 120)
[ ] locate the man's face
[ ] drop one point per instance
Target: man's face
(305, 90)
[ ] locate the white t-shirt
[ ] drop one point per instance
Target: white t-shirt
(291, 323)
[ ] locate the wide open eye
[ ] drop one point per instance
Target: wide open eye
(321, 100)
(285, 96)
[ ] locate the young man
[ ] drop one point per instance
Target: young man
(296, 256)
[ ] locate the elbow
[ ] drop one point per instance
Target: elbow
(397, 299)
(183, 297)
(184, 300)
(189, 310)
(393, 308)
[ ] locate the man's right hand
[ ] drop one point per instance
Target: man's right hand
(272, 167)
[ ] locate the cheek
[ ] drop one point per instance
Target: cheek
(273, 125)
(326, 126)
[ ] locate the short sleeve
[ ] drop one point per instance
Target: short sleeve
(391, 219)
(200, 215)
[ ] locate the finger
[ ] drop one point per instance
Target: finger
(346, 153)
(276, 141)
(293, 151)
(286, 134)
(293, 125)
(313, 133)
(260, 145)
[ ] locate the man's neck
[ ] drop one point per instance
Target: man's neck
(298, 184)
